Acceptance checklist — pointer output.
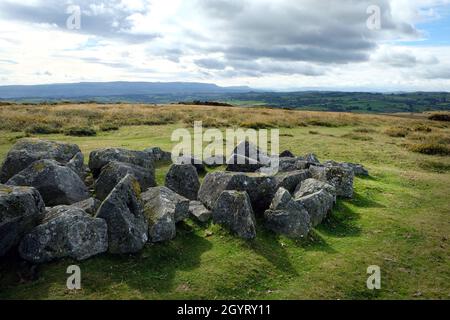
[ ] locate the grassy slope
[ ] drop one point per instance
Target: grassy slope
(399, 220)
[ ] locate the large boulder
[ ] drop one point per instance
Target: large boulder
(124, 214)
(249, 150)
(115, 171)
(259, 187)
(77, 165)
(240, 163)
(358, 169)
(286, 164)
(188, 159)
(318, 205)
(287, 154)
(90, 206)
(233, 210)
(287, 217)
(290, 180)
(163, 209)
(199, 212)
(339, 177)
(27, 151)
(157, 154)
(100, 158)
(310, 186)
(183, 179)
(66, 231)
(21, 209)
(56, 183)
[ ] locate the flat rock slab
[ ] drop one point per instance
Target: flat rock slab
(57, 184)
(21, 209)
(66, 231)
(233, 210)
(27, 151)
(124, 213)
(115, 171)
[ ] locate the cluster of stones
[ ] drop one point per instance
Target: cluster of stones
(53, 206)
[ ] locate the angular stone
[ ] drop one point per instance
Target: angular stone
(56, 183)
(124, 214)
(290, 180)
(249, 150)
(183, 179)
(199, 211)
(66, 231)
(292, 164)
(318, 205)
(77, 165)
(358, 169)
(27, 151)
(259, 187)
(188, 159)
(239, 163)
(90, 206)
(310, 186)
(287, 154)
(21, 209)
(157, 154)
(169, 201)
(233, 210)
(287, 217)
(115, 171)
(339, 177)
(100, 158)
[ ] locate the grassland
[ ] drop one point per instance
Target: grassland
(399, 218)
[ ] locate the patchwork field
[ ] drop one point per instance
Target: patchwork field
(399, 218)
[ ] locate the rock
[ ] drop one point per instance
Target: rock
(66, 231)
(234, 211)
(27, 151)
(339, 177)
(183, 179)
(21, 209)
(199, 211)
(358, 169)
(318, 205)
(259, 187)
(290, 180)
(170, 200)
(90, 206)
(124, 214)
(57, 184)
(163, 209)
(115, 171)
(215, 161)
(310, 186)
(312, 158)
(77, 165)
(188, 159)
(158, 155)
(100, 158)
(239, 163)
(287, 154)
(287, 217)
(249, 150)
(292, 164)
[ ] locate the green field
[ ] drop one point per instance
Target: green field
(399, 220)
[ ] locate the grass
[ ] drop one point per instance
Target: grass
(397, 220)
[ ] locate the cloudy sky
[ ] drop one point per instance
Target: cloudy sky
(277, 44)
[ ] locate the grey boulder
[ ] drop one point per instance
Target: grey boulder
(90, 206)
(56, 183)
(240, 163)
(310, 186)
(290, 180)
(66, 231)
(249, 150)
(163, 209)
(100, 158)
(183, 179)
(287, 154)
(115, 171)
(124, 214)
(157, 154)
(339, 177)
(188, 159)
(21, 209)
(286, 216)
(233, 210)
(77, 165)
(259, 187)
(318, 205)
(199, 212)
(27, 151)
(358, 169)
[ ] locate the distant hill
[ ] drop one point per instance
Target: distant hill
(189, 92)
(109, 89)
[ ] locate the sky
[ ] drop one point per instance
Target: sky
(373, 45)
